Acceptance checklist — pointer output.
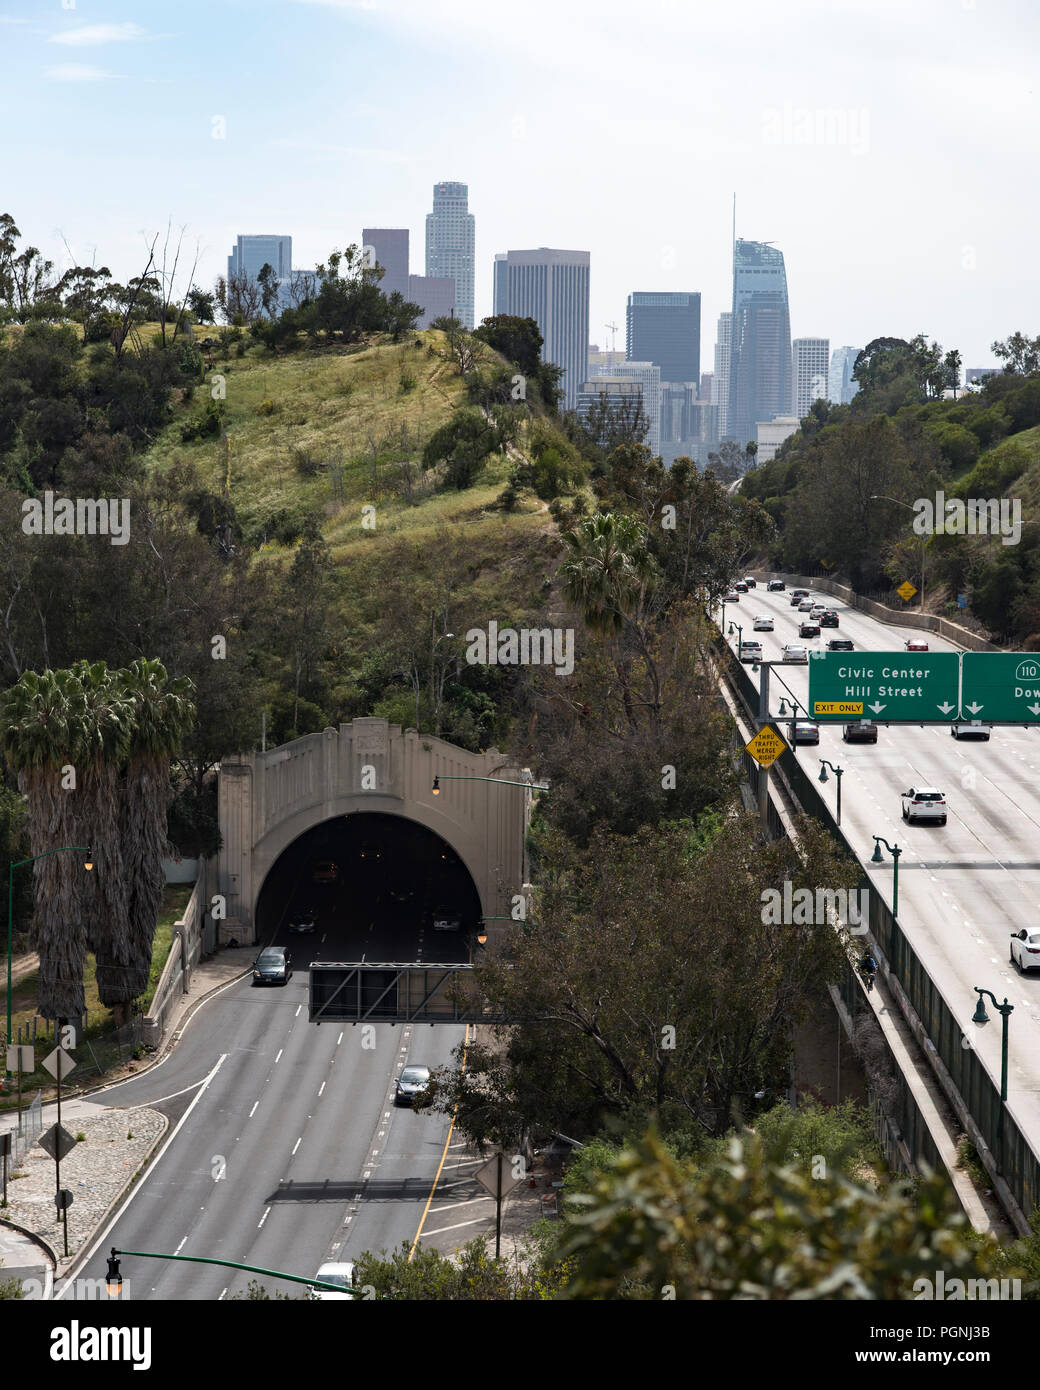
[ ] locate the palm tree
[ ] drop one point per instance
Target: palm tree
(106, 733)
(164, 711)
(41, 727)
(609, 569)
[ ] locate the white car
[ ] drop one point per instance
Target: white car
(1025, 949)
(751, 651)
(342, 1275)
(763, 623)
(806, 605)
(817, 609)
(795, 652)
(924, 803)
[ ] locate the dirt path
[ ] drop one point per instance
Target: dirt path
(23, 966)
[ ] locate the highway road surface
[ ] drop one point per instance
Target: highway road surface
(284, 1150)
(963, 887)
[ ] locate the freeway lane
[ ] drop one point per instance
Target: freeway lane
(264, 1166)
(963, 888)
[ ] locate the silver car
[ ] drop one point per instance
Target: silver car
(413, 1081)
(795, 652)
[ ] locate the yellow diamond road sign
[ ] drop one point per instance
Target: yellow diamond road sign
(906, 591)
(766, 747)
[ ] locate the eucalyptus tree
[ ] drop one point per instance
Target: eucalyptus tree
(163, 713)
(42, 719)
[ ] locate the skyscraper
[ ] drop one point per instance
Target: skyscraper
(251, 253)
(648, 374)
(811, 365)
(665, 329)
(389, 248)
(760, 377)
(551, 287)
(450, 238)
(840, 386)
(720, 378)
(435, 295)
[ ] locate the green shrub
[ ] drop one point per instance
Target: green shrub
(266, 407)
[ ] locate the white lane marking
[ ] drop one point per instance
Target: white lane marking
(339, 1039)
(279, 1057)
(263, 1218)
(139, 1186)
(472, 1201)
(321, 1088)
(181, 1246)
(253, 1111)
(296, 1145)
(457, 1227)
(299, 1010)
(222, 1292)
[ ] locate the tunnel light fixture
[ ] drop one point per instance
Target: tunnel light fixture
(436, 786)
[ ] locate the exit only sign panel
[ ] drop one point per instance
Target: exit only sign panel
(909, 686)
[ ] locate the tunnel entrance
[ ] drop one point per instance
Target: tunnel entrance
(377, 887)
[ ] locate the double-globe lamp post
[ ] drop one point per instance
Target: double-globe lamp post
(88, 864)
(878, 858)
(824, 778)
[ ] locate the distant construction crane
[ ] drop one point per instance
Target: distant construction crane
(613, 335)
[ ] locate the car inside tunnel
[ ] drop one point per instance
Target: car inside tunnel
(369, 887)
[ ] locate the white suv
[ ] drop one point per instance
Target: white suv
(924, 803)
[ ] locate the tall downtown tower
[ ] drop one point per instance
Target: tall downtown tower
(760, 372)
(449, 244)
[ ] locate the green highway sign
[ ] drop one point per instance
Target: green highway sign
(908, 687)
(1001, 687)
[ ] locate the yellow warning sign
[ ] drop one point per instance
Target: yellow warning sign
(838, 707)
(766, 746)
(906, 591)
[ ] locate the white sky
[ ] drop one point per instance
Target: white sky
(888, 148)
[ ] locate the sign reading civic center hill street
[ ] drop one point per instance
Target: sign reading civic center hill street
(1001, 686)
(903, 686)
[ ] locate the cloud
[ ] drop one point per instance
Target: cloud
(77, 72)
(88, 35)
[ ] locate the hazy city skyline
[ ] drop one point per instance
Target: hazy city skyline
(886, 154)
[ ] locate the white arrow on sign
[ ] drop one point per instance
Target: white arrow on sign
(876, 708)
(1033, 709)
(946, 708)
(973, 708)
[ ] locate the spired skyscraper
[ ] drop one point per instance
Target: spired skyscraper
(760, 373)
(450, 237)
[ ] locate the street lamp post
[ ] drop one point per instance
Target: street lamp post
(88, 864)
(823, 778)
(884, 497)
(980, 1016)
(878, 858)
(114, 1278)
(740, 635)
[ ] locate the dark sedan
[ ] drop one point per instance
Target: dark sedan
(808, 629)
(859, 733)
(273, 966)
(840, 644)
(828, 618)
